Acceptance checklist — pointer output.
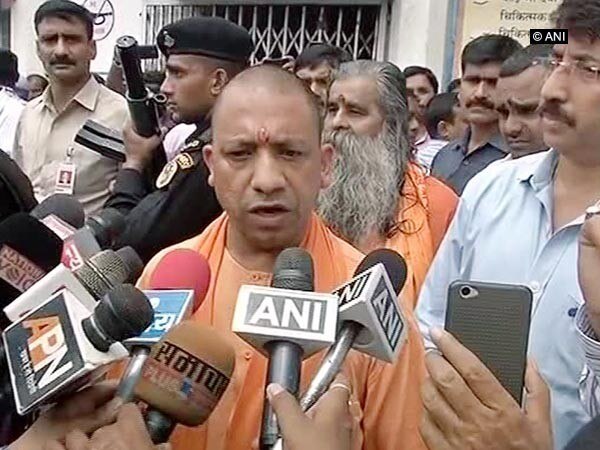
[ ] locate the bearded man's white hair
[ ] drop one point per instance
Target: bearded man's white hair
(369, 172)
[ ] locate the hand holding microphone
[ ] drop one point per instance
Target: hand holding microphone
(184, 378)
(327, 426)
(371, 321)
(182, 382)
(85, 411)
(288, 323)
(94, 417)
(128, 432)
(60, 346)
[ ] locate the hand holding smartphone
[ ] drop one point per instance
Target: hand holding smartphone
(492, 320)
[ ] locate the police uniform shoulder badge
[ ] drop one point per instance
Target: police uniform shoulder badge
(167, 174)
(185, 161)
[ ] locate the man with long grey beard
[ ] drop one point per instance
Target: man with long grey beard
(366, 184)
(379, 197)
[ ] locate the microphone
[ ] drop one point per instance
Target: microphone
(116, 320)
(79, 247)
(28, 250)
(60, 347)
(99, 233)
(183, 268)
(106, 226)
(371, 321)
(103, 272)
(61, 213)
(185, 377)
(89, 283)
(286, 324)
(81, 240)
(177, 289)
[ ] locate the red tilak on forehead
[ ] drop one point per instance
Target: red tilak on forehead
(262, 136)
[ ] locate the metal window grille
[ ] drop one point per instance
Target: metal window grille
(285, 29)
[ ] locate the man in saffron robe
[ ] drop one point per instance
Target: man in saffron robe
(379, 197)
(267, 165)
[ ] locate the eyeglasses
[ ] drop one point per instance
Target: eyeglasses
(583, 71)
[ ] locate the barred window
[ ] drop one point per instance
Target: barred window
(285, 29)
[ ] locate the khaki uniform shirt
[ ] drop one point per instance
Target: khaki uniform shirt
(44, 137)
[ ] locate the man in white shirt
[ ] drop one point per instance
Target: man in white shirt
(11, 106)
(424, 145)
(176, 137)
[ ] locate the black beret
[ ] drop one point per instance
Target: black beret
(214, 37)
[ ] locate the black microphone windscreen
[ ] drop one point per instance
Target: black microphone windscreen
(393, 262)
(28, 250)
(124, 313)
(62, 206)
(108, 269)
(132, 261)
(294, 270)
(106, 226)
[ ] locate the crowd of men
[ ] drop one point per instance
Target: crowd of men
(497, 179)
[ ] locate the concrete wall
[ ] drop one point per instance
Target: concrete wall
(22, 37)
(127, 20)
(418, 34)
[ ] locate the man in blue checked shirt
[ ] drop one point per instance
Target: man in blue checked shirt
(588, 317)
(588, 327)
(519, 222)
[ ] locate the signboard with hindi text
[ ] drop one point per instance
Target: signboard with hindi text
(512, 18)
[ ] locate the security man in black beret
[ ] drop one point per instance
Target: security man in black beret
(203, 55)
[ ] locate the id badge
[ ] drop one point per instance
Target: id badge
(65, 178)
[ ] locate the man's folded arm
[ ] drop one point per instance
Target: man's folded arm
(590, 381)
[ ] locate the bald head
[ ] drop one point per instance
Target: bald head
(266, 161)
(265, 82)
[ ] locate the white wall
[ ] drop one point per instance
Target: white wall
(128, 20)
(22, 36)
(417, 34)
